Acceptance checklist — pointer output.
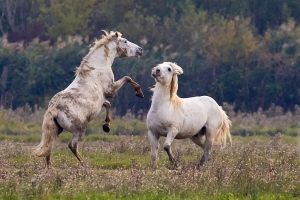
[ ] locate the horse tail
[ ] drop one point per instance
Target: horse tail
(224, 130)
(50, 133)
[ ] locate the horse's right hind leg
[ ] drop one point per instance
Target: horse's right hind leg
(106, 125)
(207, 150)
(73, 145)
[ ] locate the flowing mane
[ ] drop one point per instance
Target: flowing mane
(97, 44)
(173, 85)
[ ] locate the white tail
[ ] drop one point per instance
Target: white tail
(224, 131)
(50, 133)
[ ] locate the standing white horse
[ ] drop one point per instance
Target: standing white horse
(199, 118)
(78, 104)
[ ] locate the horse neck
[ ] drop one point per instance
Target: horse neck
(103, 57)
(98, 63)
(161, 94)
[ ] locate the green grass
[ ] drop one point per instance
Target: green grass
(117, 167)
(291, 130)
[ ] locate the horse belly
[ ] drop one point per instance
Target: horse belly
(187, 133)
(190, 129)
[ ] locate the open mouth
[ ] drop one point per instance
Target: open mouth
(138, 54)
(154, 75)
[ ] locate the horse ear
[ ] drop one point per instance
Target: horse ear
(177, 69)
(118, 34)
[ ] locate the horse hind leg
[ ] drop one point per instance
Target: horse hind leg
(208, 147)
(199, 138)
(48, 162)
(73, 145)
(106, 125)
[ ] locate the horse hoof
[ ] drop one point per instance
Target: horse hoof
(106, 128)
(140, 95)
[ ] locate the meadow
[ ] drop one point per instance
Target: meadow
(261, 164)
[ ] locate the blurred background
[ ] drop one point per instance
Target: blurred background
(243, 53)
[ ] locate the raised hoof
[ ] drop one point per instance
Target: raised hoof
(106, 128)
(140, 95)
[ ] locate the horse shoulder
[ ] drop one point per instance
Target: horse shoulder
(163, 121)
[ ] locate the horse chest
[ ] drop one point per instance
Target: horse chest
(161, 123)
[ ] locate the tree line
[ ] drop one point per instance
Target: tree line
(243, 52)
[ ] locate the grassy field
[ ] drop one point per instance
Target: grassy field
(117, 167)
(259, 165)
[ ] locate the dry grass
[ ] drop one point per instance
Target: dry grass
(118, 168)
(268, 122)
(117, 165)
(27, 120)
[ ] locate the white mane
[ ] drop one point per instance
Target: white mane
(173, 86)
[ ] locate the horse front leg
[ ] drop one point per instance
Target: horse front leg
(167, 147)
(106, 125)
(126, 79)
(154, 149)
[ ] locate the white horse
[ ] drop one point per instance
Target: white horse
(199, 118)
(78, 104)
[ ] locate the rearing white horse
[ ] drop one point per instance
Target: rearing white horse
(199, 118)
(78, 104)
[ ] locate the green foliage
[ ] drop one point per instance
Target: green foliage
(65, 18)
(241, 52)
(39, 70)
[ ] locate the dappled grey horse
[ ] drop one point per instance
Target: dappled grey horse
(78, 104)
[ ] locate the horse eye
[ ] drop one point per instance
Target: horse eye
(169, 69)
(125, 41)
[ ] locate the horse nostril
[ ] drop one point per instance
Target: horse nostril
(139, 51)
(158, 70)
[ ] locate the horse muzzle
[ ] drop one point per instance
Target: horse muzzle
(155, 72)
(139, 52)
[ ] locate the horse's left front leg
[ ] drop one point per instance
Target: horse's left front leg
(106, 125)
(126, 79)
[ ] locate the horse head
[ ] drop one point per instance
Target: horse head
(166, 72)
(126, 48)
